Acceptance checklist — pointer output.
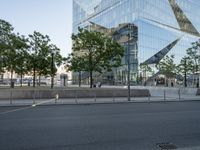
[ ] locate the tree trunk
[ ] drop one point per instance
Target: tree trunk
(11, 78)
(52, 81)
(21, 80)
(193, 80)
(34, 77)
(91, 80)
(39, 80)
(197, 75)
(185, 76)
(166, 81)
(79, 79)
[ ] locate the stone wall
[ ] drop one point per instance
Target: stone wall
(198, 92)
(85, 93)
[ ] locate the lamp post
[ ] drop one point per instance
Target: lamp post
(128, 61)
(52, 69)
(199, 67)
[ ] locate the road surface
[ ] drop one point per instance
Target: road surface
(128, 126)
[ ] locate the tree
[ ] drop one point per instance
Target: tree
(13, 53)
(39, 46)
(193, 54)
(22, 58)
(6, 30)
(184, 68)
(55, 60)
(145, 69)
(42, 55)
(94, 52)
(167, 67)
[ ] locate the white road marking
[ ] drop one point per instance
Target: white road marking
(34, 105)
(19, 109)
(14, 110)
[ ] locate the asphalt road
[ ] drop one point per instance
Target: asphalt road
(135, 126)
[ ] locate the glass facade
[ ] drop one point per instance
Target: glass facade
(163, 27)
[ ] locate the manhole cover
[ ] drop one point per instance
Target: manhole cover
(167, 146)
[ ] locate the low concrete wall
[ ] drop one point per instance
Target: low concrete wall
(198, 92)
(85, 93)
(159, 91)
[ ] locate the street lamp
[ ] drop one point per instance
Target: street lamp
(132, 37)
(52, 69)
(185, 73)
(128, 61)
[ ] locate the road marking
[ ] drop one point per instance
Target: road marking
(24, 108)
(14, 110)
(43, 102)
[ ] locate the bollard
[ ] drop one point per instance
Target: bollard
(164, 95)
(113, 96)
(56, 98)
(76, 97)
(95, 97)
(34, 97)
(40, 96)
(149, 98)
(10, 97)
(179, 94)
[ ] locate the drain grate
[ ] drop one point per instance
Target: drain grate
(167, 146)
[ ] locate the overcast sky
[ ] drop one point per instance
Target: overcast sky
(51, 17)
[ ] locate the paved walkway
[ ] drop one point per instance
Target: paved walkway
(53, 101)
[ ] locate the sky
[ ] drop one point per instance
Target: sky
(49, 17)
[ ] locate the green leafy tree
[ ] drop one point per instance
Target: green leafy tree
(94, 52)
(42, 55)
(184, 68)
(146, 69)
(22, 58)
(193, 54)
(15, 45)
(39, 50)
(6, 31)
(55, 59)
(167, 67)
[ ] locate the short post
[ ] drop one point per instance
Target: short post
(149, 97)
(179, 94)
(95, 96)
(164, 95)
(76, 97)
(56, 98)
(33, 96)
(113, 96)
(11, 97)
(39, 93)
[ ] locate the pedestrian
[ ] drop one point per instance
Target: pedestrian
(172, 84)
(99, 84)
(94, 85)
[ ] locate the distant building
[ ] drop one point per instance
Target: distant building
(157, 28)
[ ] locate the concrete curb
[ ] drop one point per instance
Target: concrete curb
(97, 103)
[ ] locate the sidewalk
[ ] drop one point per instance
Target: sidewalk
(70, 101)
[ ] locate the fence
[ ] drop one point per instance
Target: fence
(28, 97)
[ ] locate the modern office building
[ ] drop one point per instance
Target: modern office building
(148, 29)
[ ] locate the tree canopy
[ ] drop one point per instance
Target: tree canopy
(167, 66)
(94, 52)
(27, 55)
(41, 53)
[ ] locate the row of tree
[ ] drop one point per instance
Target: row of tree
(95, 52)
(34, 54)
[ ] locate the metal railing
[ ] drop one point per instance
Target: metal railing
(77, 98)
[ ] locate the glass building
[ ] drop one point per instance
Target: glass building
(148, 29)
